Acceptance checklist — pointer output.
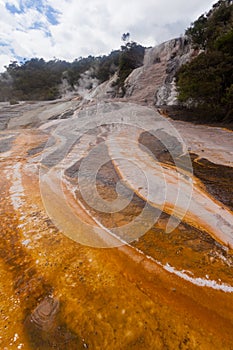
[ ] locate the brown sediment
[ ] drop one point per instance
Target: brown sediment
(217, 179)
(106, 181)
(194, 116)
(157, 147)
(46, 330)
(36, 150)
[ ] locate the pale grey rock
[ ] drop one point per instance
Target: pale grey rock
(154, 82)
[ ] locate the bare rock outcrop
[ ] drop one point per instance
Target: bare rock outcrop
(106, 90)
(154, 83)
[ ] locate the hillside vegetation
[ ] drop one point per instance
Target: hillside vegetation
(206, 83)
(37, 79)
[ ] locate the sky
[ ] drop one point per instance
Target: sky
(68, 29)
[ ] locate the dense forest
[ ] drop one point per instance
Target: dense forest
(37, 79)
(206, 83)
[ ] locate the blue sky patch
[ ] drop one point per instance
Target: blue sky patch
(48, 11)
(3, 44)
(41, 26)
(13, 9)
(37, 4)
(51, 15)
(37, 25)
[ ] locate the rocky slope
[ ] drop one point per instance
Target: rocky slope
(153, 83)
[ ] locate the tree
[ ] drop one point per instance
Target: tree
(131, 57)
(125, 37)
(206, 82)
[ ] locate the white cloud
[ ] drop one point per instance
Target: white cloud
(91, 26)
(5, 60)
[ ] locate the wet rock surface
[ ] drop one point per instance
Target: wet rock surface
(216, 178)
(46, 331)
(58, 294)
